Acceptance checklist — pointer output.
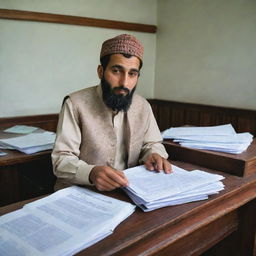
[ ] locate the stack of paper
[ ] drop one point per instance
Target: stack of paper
(152, 190)
(63, 223)
(2, 153)
(30, 143)
(21, 129)
(221, 138)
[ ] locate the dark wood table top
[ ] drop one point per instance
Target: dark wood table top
(17, 157)
(153, 232)
(243, 164)
(249, 155)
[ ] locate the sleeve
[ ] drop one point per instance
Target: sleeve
(152, 140)
(65, 155)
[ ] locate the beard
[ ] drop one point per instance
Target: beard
(116, 102)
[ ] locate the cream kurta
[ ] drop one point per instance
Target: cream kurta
(90, 134)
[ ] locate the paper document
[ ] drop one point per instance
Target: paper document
(30, 143)
(22, 129)
(174, 132)
(229, 139)
(221, 138)
(2, 153)
(151, 190)
(63, 223)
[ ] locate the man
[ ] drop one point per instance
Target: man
(105, 129)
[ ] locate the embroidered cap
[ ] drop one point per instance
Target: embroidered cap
(124, 43)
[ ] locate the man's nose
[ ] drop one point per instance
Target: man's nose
(124, 80)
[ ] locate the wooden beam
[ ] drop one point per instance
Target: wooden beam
(75, 20)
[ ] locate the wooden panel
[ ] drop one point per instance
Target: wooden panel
(25, 176)
(10, 185)
(37, 178)
(247, 220)
(228, 247)
(47, 122)
(173, 114)
(167, 113)
(26, 180)
(216, 231)
(75, 20)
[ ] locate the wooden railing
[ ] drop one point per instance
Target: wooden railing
(171, 113)
(47, 122)
(167, 114)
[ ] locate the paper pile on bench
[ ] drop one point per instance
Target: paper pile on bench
(30, 143)
(221, 138)
(151, 190)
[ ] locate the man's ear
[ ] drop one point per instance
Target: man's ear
(100, 71)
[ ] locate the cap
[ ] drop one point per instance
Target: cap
(124, 43)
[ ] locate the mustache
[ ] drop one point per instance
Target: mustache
(113, 99)
(121, 88)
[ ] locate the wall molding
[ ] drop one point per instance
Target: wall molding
(75, 20)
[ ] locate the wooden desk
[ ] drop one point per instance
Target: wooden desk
(243, 164)
(224, 225)
(24, 176)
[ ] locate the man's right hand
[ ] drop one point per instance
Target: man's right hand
(106, 178)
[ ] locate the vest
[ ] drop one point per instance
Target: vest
(98, 140)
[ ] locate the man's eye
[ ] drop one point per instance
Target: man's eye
(133, 74)
(115, 71)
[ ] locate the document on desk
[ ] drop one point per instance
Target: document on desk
(222, 138)
(63, 223)
(30, 143)
(2, 153)
(21, 129)
(173, 132)
(152, 190)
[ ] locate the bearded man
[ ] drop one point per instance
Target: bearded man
(107, 128)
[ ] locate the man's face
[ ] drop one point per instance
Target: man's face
(119, 81)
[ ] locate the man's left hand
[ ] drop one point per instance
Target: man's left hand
(157, 163)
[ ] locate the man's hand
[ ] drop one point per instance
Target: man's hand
(157, 163)
(106, 178)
